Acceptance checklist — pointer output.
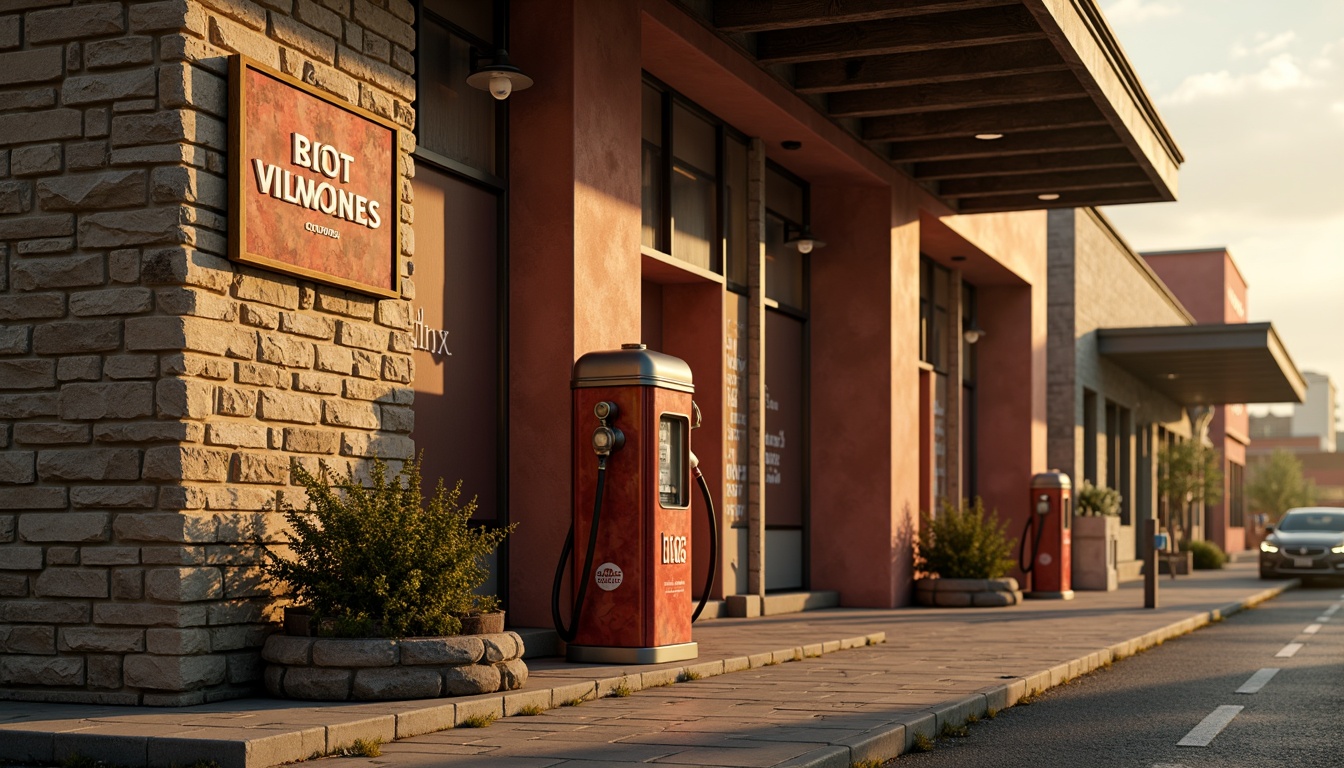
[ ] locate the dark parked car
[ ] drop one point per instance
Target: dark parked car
(1308, 541)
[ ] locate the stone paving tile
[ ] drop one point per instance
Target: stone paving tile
(758, 757)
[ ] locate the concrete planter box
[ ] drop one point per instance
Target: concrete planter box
(1176, 563)
(1096, 542)
(386, 669)
(967, 593)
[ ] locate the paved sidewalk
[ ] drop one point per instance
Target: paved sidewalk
(936, 667)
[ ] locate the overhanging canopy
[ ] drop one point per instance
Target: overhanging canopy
(920, 79)
(1207, 364)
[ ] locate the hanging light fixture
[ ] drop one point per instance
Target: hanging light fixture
(973, 332)
(801, 238)
(499, 77)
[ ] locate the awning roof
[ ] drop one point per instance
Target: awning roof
(918, 79)
(1207, 364)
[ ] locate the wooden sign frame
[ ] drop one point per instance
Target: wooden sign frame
(238, 163)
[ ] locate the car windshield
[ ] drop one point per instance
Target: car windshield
(1312, 521)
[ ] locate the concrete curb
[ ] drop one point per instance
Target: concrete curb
(166, 746)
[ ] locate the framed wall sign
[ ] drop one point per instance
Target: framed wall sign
(313, 183)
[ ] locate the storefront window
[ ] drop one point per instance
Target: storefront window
(969, 468)
(455, 121)
(736, 202)
(694, 182)
(935, 285)
(651, 170)
(1236, 495)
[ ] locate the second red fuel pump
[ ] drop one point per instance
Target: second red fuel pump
(633, 469)
(1048, 568)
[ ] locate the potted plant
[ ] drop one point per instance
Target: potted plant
(967, 554)
(1096, 533)
(391, 582)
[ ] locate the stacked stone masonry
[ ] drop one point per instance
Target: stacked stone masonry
(154, 395)
(332, 669)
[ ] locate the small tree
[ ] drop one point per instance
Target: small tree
(1189, 473)
(1278, 485)
(964, 543)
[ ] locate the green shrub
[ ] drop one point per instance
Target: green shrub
(964, 543)
(1207, 555)
(376, 561)
(1097, 500)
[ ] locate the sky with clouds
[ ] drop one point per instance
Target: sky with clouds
(1253, 91)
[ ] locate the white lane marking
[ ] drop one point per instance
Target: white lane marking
(1322, 619)
(1287, 651)
(1209, 727)
(1258, 680)
(1312, 629)
(1332, 609)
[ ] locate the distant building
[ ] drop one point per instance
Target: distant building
(1309, 429)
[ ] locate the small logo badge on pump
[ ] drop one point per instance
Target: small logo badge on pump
(609, 576)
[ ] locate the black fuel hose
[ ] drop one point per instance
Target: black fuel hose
(1035, 546)
(713, 544)
(568, 634)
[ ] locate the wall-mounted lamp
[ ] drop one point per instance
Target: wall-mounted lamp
(801, 238)
(973, 332)
(498, 76)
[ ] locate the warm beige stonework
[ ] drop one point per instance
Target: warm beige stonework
(154, 395)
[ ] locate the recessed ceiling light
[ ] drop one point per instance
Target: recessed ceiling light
(791, 144)
(1048, 196)
(988, 136)
(958, 257)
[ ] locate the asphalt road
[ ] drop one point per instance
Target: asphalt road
(1137, 713)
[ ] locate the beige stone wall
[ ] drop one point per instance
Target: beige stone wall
(153, 395)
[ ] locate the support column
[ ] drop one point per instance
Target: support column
(574, 260)
(864, 394)
(1011, 418)
(756, 369)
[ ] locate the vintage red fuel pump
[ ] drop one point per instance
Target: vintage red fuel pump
(631, 536)
(1048, 571)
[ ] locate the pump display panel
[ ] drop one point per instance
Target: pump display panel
(672, 460)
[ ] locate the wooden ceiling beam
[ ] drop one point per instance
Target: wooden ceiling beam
(1040, 142)
(1074, 113)
(1095, 196)
(768, 15)
(1037, 183)
(1001, 24)
(926, 67)
(968, 94)
(1084, 160)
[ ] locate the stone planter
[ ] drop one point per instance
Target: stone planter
(1096, 544)
(386, 669)
(1176, 563)
(967, 593)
